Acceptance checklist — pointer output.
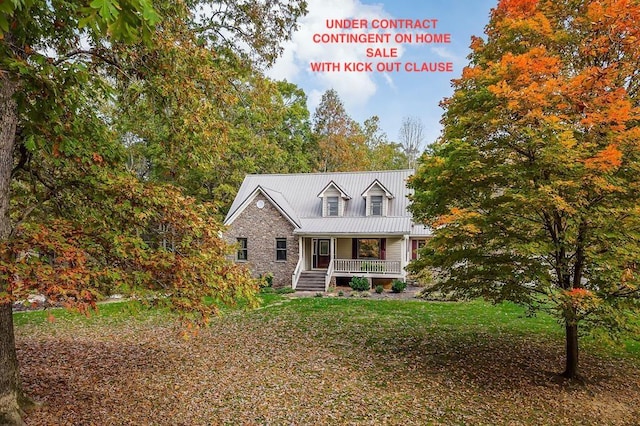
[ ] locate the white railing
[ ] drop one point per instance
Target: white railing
(296, 273)
(327, 278)
(362, 266)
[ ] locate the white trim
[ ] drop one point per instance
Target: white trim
(387, 193)
(342, 192)
(249, 200)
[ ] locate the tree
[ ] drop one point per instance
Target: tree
(78, 223)
(532, 191)
(340, 141)
(411, 139)
(384, 155)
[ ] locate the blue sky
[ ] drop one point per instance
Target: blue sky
(393, 95)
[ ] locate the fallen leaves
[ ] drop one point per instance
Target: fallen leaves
(299, 363)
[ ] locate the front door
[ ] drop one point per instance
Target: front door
(321, 253)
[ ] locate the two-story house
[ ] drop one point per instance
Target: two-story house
(312, 229)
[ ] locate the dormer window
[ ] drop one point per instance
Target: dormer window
(333, 199)
(376, 205)
(332, 206)
(377, 199)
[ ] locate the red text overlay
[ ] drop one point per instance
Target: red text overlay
(380, 40)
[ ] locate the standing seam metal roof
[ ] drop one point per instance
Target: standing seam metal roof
(297, 194)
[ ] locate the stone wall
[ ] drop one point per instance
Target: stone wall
(261, 227)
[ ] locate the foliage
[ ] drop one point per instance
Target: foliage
(532, 190)
(112, 111)
(266, 280)
(359, 283)
(398, 286)
(379, 289)
(285, 290)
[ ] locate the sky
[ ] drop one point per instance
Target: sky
(390, 95)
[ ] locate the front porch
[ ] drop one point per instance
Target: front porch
(331, 257)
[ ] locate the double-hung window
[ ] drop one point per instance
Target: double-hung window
(332, 206)
(281, 249)
(376, 205)
(242, 249)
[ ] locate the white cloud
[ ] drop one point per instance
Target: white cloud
(444, 53)
(354, 88)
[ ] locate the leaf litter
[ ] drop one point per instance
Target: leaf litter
(279, 366)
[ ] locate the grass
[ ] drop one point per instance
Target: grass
(321, 361)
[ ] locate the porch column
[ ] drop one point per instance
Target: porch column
(332, 248)
(301, 251)
(404, 257)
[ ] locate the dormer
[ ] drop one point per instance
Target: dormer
(333, 199)
(377, 198)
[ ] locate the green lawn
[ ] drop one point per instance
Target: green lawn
(321, 361)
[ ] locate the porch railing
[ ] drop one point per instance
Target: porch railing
(364, 266)
(327, 278)
(296, 273)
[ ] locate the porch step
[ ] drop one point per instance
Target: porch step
(311, 281)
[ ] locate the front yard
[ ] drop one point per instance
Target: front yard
(321, 361)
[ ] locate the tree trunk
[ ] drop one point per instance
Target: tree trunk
(10, 390)
(10, 394)
(571, 368)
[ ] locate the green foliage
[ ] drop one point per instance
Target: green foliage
(266, 280)
(359, 283)
(285, 290)
(379, 289)
(533, 188)
(398, 286)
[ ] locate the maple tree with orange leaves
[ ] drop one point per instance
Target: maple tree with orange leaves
(533, 189)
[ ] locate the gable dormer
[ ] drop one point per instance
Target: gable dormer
(377, 198)
(333, 199)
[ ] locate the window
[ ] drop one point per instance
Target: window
(281, 249)
(415, 246)
(324, 248)
(376, 205)
(368, 248)
(242, 249)
(332, 206)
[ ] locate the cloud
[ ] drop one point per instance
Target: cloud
(354, 88)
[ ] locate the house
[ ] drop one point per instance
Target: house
(314, 229)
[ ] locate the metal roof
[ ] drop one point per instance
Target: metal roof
(296, 195)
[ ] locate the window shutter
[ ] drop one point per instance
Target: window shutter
(383, 249)
(414, 249)
(354, 248)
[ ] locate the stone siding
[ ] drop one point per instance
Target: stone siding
(261, 227)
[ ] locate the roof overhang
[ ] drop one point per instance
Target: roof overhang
(342, 192)
(376, 182)
(270, 196)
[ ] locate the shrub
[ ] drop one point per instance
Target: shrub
(266, 280)
(267, 290)
(341, 293)
(379, 289)
(398, 286)
(285, 290)
(359, 284)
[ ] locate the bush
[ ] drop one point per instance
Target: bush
(398, 286)
(341, 293)
(285, 290)
(359, 284)
(379, 289)
(266, 280)
(267, 290)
